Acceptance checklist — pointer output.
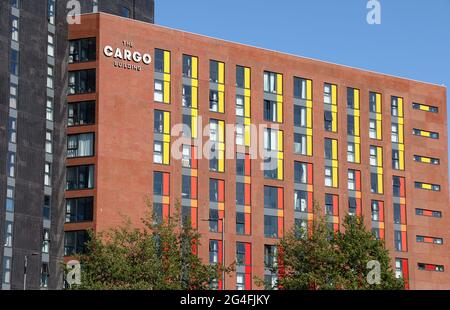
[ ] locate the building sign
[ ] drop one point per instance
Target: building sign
(126, 58)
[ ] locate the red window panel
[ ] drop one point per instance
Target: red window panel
(310, 202)
(194, 187)
(281, 270)
(280, 198)
(165, 211)
(280, 227)
(335, 205)
(358, 207)
(336, 227)
(247, 165)
(247, 193)
(358, 180)
(381, 233)
(194, 218)
(427, 212)
(310, 174)
(428, 239)
(221, 193)
(166, 184)
(405, 271)
(221, 217)
(403, 214)
(194, 247)
(404, 242)
(248, 223)
(194, 157)
(430, 267)
(381, 210)
(402, 188)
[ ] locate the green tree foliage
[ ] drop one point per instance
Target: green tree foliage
(320, 260)
(158, 256)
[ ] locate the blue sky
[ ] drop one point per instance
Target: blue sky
(413, 40)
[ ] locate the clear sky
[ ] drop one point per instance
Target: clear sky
(412, 41)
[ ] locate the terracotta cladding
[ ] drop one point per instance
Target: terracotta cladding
(124, 140)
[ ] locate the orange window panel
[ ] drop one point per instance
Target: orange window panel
(402, 187)
(381, 210)
(310, 202)
(310, 174)
(403, 214)
(194, 187)
(166, 184)
(193, 157)
(404, 242)
(194, 218)
(335, 205)
(247, 193)
(358, 180)
(221, 194)
(247, 165)
(248, 223)
(280, 198)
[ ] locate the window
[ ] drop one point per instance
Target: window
(159, 60)
(74, 242)
(80, 177)
(328, 149)
(424, 107)
(329, 210)
(8, 234)
(240, 165)
(373, 156)
(424, 133)
(13, 96)
(50, 77)
(240, 134)
(239, 105)
(240, 253)
(427, 160)
(157, 213)
(82, 50)
(300, 116)
(240, 193)
(187, 96)
(79, 209)
(81, 82)
(394, 133)
(213, 251)
(6, 270)
(214, 220)
(187, 126)
(14, 62)
(300, 172)
(329, 176)
(434, 240)
(270, 197)
(376, 212)
(351, 152)
(10, 199)
(158, 122)
(80, 145)
(45, 274)
(395, 160)
(51, 45)
(48, 174)
(11, 165)
(186, 187)
(240, 77)
(300, 88)
(81, 113)
(351, 179)
(240, 223)
(430, 267)
(394, 106)
(15, 3)
(430, 213)
(158, 152)
(350, 98)
(372, 129)
(352, 206)
(14, 28)
(125, 12)
(186, 159)
(270, 110)
(350, 125)
(48, 142)
(158, 91)
(300, 201)
(327, 96)
(397, 213)
(373, 102)
(49, 110)
(374, 183)
(51, 11)
(12, 130)
(300, 144)
(214, 71)
(270, 226)
(45, 241)
(398, 240)
(187, 66)
(328, 118)
(158, 187)
(47, 207)
(240, 281)
(270, 82)
(214, 190)
(427, 186)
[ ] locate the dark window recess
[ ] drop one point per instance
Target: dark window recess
(328, 121)
(79, 210)
(240, 77)
(158, 183)
(81, 113)
(82, 50)
(270, 197)
(159, 60)
(75, 242)
(82, 82)
(80, 177)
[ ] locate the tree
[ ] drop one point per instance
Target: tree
(158, 256)
(319, 259)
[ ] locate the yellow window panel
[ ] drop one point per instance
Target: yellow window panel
(166, 62)
(221, 131)
(247, 135)
(308, 90)
(379, 157)
(425, 133)
(166, 92)
(334, 149)
(357, 153)
(280, 141)
(357, 133)
(194, 126)
(280, 112)
(335, 177)
(221, 102)
(167, 77)
(378, 103)
(167, 123)
(309, 145)
(400, 107)
(401, 160)
(333, 94)
(194, 67)
(221, 72)
(247, 106)
(279, 84)
(400, 134)
(280, 169)
(194, 97)
(380, 184)
(426, 186)
(425, 160)
(424, 107)
(221, 167)
(334, 122)
(166, 154)
(379, 130)
(356, 99)
(194, 83)
(308, 117)
(247, 78)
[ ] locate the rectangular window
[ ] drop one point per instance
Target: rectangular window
(158, 152)
(159, 60)
(14, 62)
(270, 256)
(300, 144)
(327, 93)
(270, 82)
(398, 240)
(11, 165)
(50, 77)
(240, 77)
(328, 120)
(82, 81)
(125, 12)
(328, 176)
(14, 29)
(45, 274)
(47, 207)
(350, 125)
(240, 105)
(8, 234)
(49, 110)
(351, 152)
(10, 199)
(51, 11)
(186, 187)
(426, 160)
(15, 4)
(158, 91)
(82, 50)
(81, 113)
(46, 241)
(424, 107)
(213, 251)
(48, 174)
(270, 110)
(300, 116)
(270, 226)
(51, 45)
(12, 130)
(374, 186)
(394, 106)
(300, 88)
(329, 149)
(434, 240)
(80, 177)
(394, 133)
(372, 129)
(187, 96)
(48, 142)
(377, 211)
(13, 96)
(79, 209)
(430, 267)
(425, 133)
(330, 207)
(75, 242)
(427, 186)
(186, 160)
(430, 213)
(80, 145)
(300, 201)
(270, 197)
(351, 180)
(240, 223)
(6, 270)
